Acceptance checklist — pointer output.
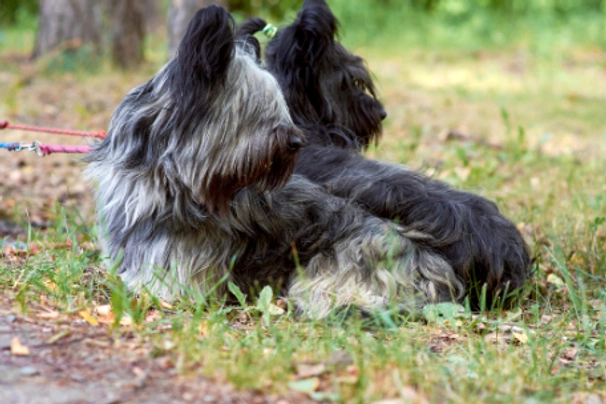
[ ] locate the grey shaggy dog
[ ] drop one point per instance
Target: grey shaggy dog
(195, 184)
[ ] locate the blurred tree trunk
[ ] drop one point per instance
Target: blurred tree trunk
(68, 24)
(128, 30)
(180, 12)
(153, 16)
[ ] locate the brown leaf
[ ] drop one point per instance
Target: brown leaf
(17, 348)
(569, 355)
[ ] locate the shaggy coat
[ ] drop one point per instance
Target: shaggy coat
(195, 186)
(332, 98)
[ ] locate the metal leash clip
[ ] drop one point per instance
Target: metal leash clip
(34, 147)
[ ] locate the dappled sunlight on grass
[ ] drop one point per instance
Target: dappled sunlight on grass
(559, 104)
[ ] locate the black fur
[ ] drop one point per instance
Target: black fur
(211, 189)
(331, 96)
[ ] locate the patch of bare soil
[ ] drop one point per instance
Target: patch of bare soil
(46, 360)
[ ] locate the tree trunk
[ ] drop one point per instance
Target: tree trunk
(128, 30)
(180, 12)
(153, 16)
(68, 24)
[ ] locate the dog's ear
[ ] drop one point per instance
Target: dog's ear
(295, 56)
(314, 30)
(206, 49)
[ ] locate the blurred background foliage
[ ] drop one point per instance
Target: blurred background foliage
(460, 24)
(12, 10)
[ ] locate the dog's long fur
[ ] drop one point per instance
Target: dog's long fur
(332, 98)
(195, 184)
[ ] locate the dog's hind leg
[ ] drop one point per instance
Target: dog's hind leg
(482, 245)
(381, 267)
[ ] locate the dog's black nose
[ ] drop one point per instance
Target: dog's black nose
(383, 113)
(295, 143)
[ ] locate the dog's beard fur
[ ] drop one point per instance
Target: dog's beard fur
(332, 97)
(195, 185)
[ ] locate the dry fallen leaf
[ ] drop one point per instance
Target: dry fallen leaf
(126, 321)
(85, 314)
(521, 336)
(152, 315)
(276, 310)
(569, 355)
(17, 348)
(351, 376)
(49, 315)
(165, 305)
(306, 370)
(104, 310)
(168, 344)
(555, 280)
(105, 314)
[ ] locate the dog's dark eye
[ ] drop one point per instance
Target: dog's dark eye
(360, 84)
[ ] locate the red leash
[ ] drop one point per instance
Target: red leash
(45, 149)
(98, 134)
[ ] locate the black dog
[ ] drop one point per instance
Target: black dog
(331, 97)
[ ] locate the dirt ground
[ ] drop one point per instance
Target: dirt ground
(86, 364)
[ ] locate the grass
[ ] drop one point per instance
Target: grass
(533, 139)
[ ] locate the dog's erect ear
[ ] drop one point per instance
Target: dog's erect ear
(314, 29)
(296, 56)
(206, 49)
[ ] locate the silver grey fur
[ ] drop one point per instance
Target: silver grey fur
(182, 205)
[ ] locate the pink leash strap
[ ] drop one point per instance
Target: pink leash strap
(46, 149)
